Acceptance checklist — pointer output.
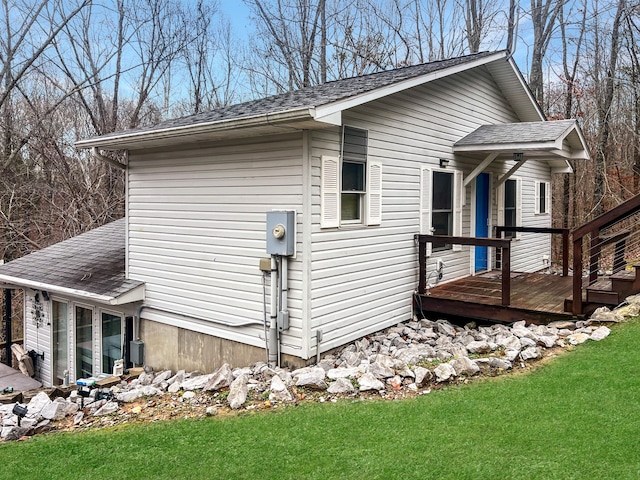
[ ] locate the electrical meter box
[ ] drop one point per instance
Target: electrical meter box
(281, 232)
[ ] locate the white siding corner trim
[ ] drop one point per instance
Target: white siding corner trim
(330, 192)
(425, 203)
(374, 193)
(458, 201)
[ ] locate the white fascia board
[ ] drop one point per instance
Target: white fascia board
(525, 88)
(134, 295)
(509, 147)
(581, 153)
(357, 100)
(123, 139)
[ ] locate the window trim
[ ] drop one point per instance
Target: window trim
(518, 208)
(331, 172)
(426, 201)
(538, 197)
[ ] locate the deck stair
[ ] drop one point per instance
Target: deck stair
(612, 290)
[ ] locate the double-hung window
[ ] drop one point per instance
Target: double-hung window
(354, 163)
(543, 198)
(351, 185)
(441, 200)
(510, 205)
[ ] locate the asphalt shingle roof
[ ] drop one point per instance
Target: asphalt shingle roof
(525, 132)
(93, 262)
(315, 96)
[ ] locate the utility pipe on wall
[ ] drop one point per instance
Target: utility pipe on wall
(274, 357)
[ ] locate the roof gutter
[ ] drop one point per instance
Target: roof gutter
(124, 139)
(35, 285)
(98, 156)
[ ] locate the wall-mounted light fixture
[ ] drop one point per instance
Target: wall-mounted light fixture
(444, 162)
(45, 296)
(517, 156)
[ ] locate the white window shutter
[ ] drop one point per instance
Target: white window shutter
(329, 192)
(425, 203)
(547, 200)
(374, 193)
(458, 201)
(518, 205)
(537, 197)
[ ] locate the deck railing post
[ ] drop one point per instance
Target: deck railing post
(565, 252)
(7, 324)
(577, 276)
(506, 275)
(594, 256)
(422, 265)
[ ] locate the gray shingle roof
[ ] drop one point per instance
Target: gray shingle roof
(525, 132)
(315, 96)
(93, 262)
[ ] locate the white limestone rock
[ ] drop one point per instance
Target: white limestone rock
(53, 411)
(37, 403)
(578, 338)
(278, 391)
(530, 353)
(341, 386)
(238, 392)
(369, 382)
(351, 372)
(107, 409)
(464, 366)
(312, 378)
(162, 377)
(480, 347)
(603, 314)
(422, 375)
(220, 379)
(600, 333)
(444, 372)
(196, 383)
(414, 354)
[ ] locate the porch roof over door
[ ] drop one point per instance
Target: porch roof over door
(554, 142)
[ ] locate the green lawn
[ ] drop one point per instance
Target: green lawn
(577, 417)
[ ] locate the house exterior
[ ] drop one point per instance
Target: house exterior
(451, 147)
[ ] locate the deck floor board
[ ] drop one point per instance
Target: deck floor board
(536, 294)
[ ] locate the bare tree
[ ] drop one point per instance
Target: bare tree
(544, 15)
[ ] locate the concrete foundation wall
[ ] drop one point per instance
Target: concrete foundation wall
(168, 347)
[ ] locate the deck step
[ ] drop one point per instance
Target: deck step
(602, 292)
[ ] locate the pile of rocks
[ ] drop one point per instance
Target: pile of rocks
(408, 359)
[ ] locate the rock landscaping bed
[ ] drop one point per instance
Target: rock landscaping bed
(409, 359)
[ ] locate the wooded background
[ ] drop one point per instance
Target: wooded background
(74, 69)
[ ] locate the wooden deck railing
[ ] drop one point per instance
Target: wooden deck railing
(553, 231)
(593, 228)
(504, 245)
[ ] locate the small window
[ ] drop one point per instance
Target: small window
(543, 198)
(354, 167)
(442, 205)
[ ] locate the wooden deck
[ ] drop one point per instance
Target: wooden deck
(535, 297)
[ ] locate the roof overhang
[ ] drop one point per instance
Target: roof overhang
(553, 142)
(500, 65)
(269, 124)
(133, 294)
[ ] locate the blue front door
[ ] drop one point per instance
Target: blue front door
(482, 218)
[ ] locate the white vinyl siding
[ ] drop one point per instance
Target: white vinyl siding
(197, 231)
(37, 334)
(363, 279)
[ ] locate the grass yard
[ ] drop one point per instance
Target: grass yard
(578, 417)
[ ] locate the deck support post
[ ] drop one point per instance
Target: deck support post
(7, 324)
(565, 252)
(506, 275)
(577, 276)
(422, 265)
